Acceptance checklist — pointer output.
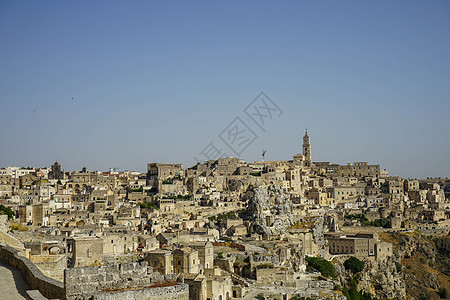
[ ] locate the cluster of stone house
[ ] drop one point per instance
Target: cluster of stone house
(170, 217)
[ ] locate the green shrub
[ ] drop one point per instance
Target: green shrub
(7, 211)
(443, 293)
(353, 264)
(323, 266)
(384, 222)
(351, 292)
(152, 205)
(398, 266)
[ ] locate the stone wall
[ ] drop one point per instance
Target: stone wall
(4, 225)
(239, 247)
(98, 278)
(48, 287)
(35, 247)
(87, 251)
(175, 292)
(52, 266)
(108, 281)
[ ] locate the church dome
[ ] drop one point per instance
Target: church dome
(298, 156)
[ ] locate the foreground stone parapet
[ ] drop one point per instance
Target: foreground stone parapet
(48, 287)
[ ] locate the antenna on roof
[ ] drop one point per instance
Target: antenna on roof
(263, 154)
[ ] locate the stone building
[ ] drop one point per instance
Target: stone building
(56, 172)
(113, 245)
(346, 192)
(161, 260)
(215, 284)
(360, 245)
(205, 253)
(87, 251)
(320, 198)
(158, 172)
(36, 214)
(52, 265)
(354, 245)
(185, 260)
(26, 214)
(356, 169)
(307, 149)
(433, 215)
(167, 205)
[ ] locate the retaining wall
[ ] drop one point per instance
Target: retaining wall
(176, 292)
(48, 287)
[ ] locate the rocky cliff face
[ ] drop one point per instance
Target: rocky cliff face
(424, 261)
(383, 280)
(271, 210)
(318, 231)
(408, 246)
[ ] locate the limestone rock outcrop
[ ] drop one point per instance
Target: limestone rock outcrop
(270, 209)
(383, 280)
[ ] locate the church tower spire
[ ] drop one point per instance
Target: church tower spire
(307, 148)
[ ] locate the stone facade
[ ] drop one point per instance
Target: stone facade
(205, 253)
(87, 251)
(185, 260)
(360, 245)
(161, 261)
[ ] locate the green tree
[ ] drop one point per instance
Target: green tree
(443, 293)
(152, 205)
(353, 264)
(322, 265)
(351, 291)
(260, 296)
(7, 211)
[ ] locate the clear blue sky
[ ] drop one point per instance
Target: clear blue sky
(122, 83)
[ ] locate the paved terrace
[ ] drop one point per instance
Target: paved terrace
(12, 284)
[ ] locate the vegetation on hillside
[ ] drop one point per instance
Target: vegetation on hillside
(353, 264)
(443, 254)
(425, 261)
(7, 211)
(351, 292)
(302, 225)
(383, 222)
(152, 205)
(170, 180)
(322, 265)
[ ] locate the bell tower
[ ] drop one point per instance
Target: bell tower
(307, 148)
